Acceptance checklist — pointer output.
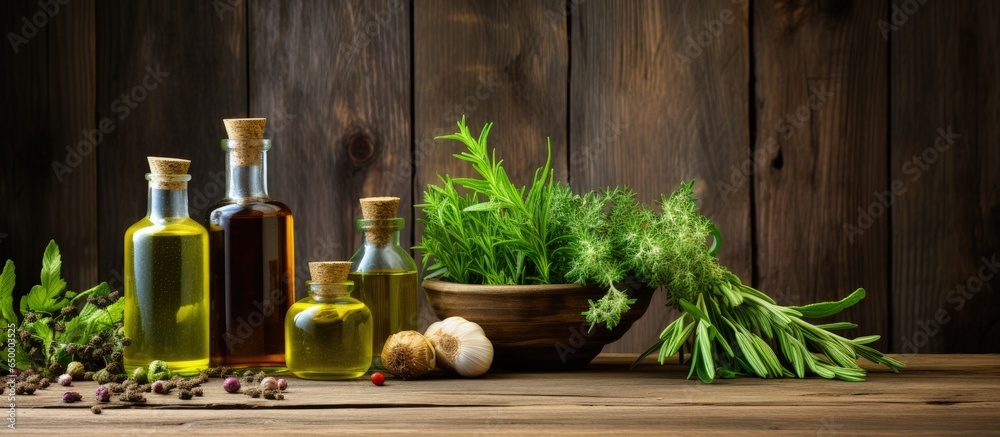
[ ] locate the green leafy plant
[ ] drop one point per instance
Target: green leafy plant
(54, 330)
(498, 234)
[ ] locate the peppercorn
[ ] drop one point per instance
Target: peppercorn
(96, 409)
(232, 385)
(103, 394)
(378, 378)
(185, 394)
(71, 396)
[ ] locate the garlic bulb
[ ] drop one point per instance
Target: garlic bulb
(461, 346)
(408, 355)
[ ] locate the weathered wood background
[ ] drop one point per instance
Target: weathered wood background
(796, 118)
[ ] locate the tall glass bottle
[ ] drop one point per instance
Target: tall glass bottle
(328, 335)
(166, 276)
(253, 264)
(384, 274)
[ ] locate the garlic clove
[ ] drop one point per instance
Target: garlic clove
(408, 355)
(461, 346)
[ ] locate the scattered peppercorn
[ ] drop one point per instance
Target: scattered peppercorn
(282, 384)
(103, 394)
(269, 382)
(378, 378)
(160, 387)
(185, 394)
(197, 391)
(253, 392)
(96, 409)
(44, 383)
(72, 396)
(65, 380)
(231, 384)
(132, 395)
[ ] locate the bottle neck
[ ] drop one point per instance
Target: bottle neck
(165, 204)
(323, 292)
(379, 237)
(245, 181)
(380, 232)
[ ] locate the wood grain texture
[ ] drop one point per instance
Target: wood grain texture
(945, 225)
(502, 62)
(935, 395)
(167, 76)
(659, 95)
(821, 71)
(48, 192)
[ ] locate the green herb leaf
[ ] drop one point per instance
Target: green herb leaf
(7, 294)
(825, 309)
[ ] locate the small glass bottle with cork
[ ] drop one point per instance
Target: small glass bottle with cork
(253, 256)
(384, 274)
(166, 276)
(328, 335)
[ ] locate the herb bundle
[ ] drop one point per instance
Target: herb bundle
(52, 332)
(500, 234)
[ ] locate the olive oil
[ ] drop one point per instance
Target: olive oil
(328, 335)
(166, 277)
(390, 297)
(384, 274)
(166, 300)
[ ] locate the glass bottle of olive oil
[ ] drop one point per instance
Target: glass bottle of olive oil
(166, 276)
(253, 257)
(384, 274)
(328, 335)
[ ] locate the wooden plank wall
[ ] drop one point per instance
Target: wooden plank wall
(796, 117)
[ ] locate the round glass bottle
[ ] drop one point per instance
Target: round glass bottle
(328, 335)
(384, 274)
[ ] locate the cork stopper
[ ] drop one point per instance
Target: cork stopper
(160, 168)
(329, 272)
(379, 208)
(245, 134)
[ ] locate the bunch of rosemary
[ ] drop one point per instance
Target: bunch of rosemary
(500, 234)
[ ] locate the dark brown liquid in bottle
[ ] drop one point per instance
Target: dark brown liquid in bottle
(252, 282)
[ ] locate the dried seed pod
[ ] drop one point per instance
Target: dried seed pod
(408, 355)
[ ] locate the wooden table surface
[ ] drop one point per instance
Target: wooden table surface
(937, 394)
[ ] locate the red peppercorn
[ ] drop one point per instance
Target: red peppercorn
(378, 378)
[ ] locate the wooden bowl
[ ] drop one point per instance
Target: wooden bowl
(535, 327)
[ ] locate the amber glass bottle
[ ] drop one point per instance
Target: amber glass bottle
(252, 263)
(166, 277)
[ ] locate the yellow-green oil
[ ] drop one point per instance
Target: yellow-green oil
(166, 295)
(391, 295)
(328, 338)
